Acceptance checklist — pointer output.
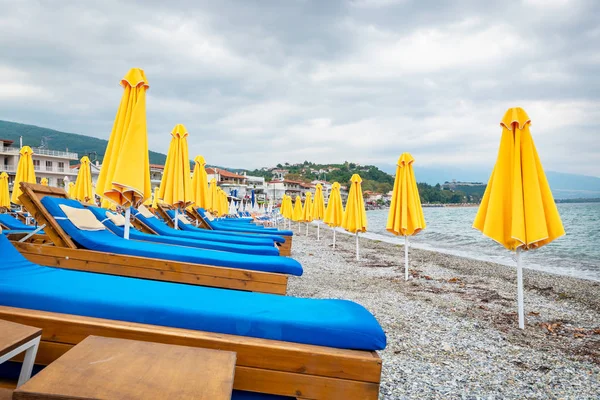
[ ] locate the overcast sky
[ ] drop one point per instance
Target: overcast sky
(262, 82)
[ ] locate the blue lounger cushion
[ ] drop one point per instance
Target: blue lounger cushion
(12, 223)
(107, 242)
(201, 234)
(134, 234)
(334, 323)
(236, 231)
(256, 229)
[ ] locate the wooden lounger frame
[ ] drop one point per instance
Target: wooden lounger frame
(266, 366)
(285, 248)
(56, 249)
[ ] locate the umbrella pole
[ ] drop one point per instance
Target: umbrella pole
(299, 227)
(318, 230)
(405, 257)
(520, 290)
(357, 258)
(127, 223)
(307, 229)
(176, 218)
(333, 237)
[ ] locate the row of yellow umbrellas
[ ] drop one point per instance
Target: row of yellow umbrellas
(353, 218)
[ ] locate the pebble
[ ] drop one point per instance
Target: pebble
(451, 329)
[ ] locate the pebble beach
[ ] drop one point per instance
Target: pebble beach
(452, 329)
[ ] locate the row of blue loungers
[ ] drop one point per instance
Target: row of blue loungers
(333, 323)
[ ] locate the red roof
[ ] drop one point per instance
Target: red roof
(224, 173)
(157, 166)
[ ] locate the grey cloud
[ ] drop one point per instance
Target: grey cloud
(258, 83)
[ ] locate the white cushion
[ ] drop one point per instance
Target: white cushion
(183, 219)
(145, 212)
(116, 219)
(82, 218)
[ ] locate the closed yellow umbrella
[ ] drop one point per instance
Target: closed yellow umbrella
(334, 213)
(70, 189)
(25, 173)
(307, 210)
(212, 200)
(4, 194)
(318, 210)
(44, 182)
(176, 185)
(518, 209)
(355, 216)
(124, 177)
(406, 214)
(297, 211)
(199, 182)
(82, 190)
(289, 209)
(155, 201)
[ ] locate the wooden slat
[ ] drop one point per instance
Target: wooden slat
(297, 384)
(301, 385)
(251, 352)
(155, 269)
(162, 212)
(137, 224)
(32, 194)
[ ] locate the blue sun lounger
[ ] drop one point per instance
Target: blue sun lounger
(219, 226)
(334, 323)
(201, 234)
(105, 241)
(10, 222)
(134, 234)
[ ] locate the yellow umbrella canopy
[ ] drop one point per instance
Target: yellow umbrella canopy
(176, 185)
(355, 216)
(307, 210)
(4, 195)
(406, 214)
(518, 209)
(224, 203)
(70, 189)
(212, 200)
(318, 209)
(199, 182)
(283, 205)
(82, 190)
(155, 198)
(334, 213)
(25, 173)
(125, 174)
(44, 182)
(297, 212)
(289, 208)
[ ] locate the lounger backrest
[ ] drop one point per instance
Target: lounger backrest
(31, 200)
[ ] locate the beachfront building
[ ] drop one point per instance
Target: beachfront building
(233, 184)
(156, 174)
(256, 183)
(278, 187)
(50, 164)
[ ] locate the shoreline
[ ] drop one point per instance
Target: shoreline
(452, 328)
(398, 241)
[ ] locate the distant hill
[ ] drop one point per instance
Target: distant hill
(80, 144)
(564, 186)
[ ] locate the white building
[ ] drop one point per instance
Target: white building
(277, 188)
(50, 164)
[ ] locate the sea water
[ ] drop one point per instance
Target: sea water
(449, 230)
